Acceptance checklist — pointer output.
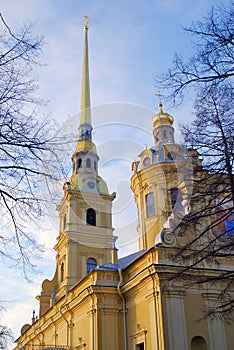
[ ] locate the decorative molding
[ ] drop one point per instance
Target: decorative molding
(81, 345)
(165, 238)
(139, 336)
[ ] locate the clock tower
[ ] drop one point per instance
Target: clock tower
(86, 237)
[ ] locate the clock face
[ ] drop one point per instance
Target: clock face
(146, 161)
(91, 184)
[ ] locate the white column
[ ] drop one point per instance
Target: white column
(176, 322)
(216, 328)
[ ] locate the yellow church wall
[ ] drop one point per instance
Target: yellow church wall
(92, 310)
(75, 204)
(109, 328)
(51, 336)
(163, 317)
(143, 304)
(196, 324)
(138, 306)
(145, 317)
(88, 313)
(82, 320)
(58, 333)
(99, 320)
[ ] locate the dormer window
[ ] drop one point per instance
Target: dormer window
(146, 161)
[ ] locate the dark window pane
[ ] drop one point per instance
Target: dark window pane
(176, 199)
(150, 204)
(91, 264)
(91, 217)
(79, 163)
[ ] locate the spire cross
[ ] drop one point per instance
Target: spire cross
(86, 22)
(160, 105)
(159, 96)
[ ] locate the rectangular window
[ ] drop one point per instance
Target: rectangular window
(150, 204)
(140, 346)
(176, 199)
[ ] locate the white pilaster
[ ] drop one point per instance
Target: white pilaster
(176, 322)
(216, 328)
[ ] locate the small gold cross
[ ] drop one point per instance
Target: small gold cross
(159, 96)
(86, 20)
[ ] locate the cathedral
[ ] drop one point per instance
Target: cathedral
(97, 301)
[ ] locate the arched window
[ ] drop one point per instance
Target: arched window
(150, 204)
(91, 217)
(90, 264)
(164, 134)
(176, 199)
(88, 163)
(62, 272)
(198, 343)
(79, 163)
(95, 165)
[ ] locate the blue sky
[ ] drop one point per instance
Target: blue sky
(130, 42)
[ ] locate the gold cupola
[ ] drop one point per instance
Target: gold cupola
(163, 130)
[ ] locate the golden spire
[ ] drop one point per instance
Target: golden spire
(85, 117)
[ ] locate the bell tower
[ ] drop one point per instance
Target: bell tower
(86, 234)
(159, 181)
(86, 237)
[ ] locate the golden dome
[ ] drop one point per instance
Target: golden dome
(78, 182)
(162, 118)
(85, 145)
